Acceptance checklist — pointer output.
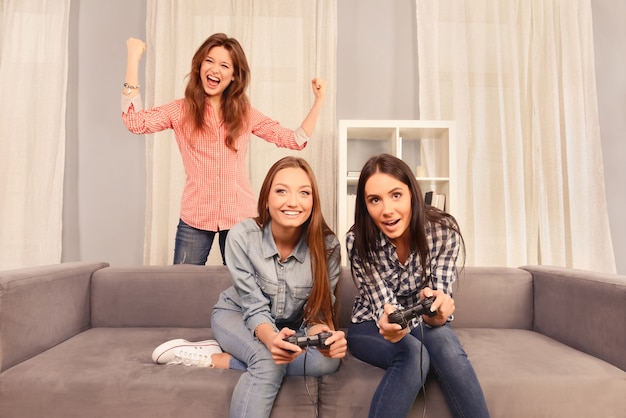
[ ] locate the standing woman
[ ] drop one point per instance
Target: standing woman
(212, 125)
(285, 266)
(402, 251)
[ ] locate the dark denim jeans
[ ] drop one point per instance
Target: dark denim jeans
(407, 363)
(193, 245)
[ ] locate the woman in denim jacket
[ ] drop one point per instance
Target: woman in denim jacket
(285, 265)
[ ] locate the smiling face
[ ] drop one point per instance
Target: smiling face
(290, 199)
(388, 202)
(217, 71)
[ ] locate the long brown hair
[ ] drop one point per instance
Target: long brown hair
(318, 308)
(365, 230)
(235, 102)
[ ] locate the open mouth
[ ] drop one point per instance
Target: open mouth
(291, 213)
(391, 223)
(212, 81)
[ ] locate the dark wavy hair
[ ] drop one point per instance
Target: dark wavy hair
(319, 308)
(235, 102)
(366, 232)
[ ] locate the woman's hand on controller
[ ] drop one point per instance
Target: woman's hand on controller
(390, 331)
(282, 351)
(337, 343)
(443, 304)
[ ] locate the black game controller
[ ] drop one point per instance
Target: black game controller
(402, 317)
(318, 340)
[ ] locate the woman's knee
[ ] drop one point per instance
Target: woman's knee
(414, 354)
(261, 365)
(441, 338)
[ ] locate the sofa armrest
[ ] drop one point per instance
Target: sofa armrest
(585, 310)
(41, 307)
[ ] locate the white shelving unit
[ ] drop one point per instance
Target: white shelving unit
(427, 146)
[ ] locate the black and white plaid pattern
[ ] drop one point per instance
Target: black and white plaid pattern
(399, 284)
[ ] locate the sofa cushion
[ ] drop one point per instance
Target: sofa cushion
(349, 391)
(108, 372)
(522, 373)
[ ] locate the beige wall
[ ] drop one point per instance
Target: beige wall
(610, 50)
(104, 198)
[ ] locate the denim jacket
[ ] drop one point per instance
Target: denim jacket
(265, 289)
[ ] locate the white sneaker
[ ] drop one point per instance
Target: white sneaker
(188, 353)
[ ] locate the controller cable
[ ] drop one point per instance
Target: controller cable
(421, 325)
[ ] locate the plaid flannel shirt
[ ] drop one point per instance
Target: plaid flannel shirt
(399, 284)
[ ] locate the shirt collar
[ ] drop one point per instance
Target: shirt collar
(270, 250)
(385, 243)
(389, 249)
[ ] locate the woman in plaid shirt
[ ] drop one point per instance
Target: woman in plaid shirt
(212, 125)
(402, 251)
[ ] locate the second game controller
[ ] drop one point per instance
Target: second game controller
(317, 340)
(403, 317)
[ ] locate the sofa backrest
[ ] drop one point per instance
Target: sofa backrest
(156, 296)
(494, 297)
(484, 297)
(183, 296)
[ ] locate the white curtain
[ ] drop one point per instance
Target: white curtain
(519, 79)
(287, 44)
(33, 80)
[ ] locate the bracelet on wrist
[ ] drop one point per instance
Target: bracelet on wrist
(128, 88)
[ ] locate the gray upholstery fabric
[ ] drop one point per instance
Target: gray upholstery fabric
(156, 296)
(522, 373)
(108, 372)
(526, 374)
(588, 300)
(41, 307)
(76, 341)
(493, 297)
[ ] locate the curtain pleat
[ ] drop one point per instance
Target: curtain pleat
(33, 85)
(519, 79)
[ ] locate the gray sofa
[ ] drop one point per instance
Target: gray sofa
(76, 341)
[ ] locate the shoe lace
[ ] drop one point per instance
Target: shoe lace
(191, 358)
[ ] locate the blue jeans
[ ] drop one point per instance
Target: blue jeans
(258, 386)
(438, 348)
(193, 245)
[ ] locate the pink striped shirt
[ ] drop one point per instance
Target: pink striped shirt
(217, 193)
